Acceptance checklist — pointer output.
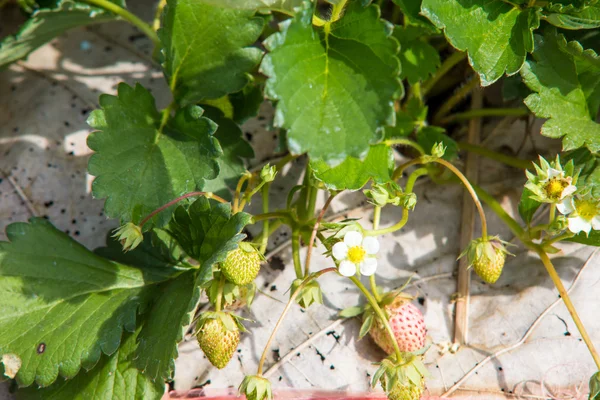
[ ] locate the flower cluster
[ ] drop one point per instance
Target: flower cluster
(556, 185)
(356, 252)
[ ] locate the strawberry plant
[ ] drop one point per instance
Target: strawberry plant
(353, 83)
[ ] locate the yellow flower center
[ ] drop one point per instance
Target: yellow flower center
(356, 254)
(555, 187)
(587, 209)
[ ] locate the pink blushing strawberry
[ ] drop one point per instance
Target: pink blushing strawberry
(407, 323)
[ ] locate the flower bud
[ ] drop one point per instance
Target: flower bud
(438, 150)
(130, 235)
(377, 195)
(268, 172)
(309, 295)
(255, 387)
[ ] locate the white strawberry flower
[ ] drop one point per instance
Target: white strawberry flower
(583, 214)
(356, 251)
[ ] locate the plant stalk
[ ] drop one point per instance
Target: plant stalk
(208, 195)
(446, 66)
(128, 16)
(289, 304)
(265, 209)
(493, 155)
(296, 253)
(313, 234)
(486, 112)
(373, 283)
(382, 317)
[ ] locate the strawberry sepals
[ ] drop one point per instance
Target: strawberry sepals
(255, 387)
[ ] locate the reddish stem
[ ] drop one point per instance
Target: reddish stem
(177, 200)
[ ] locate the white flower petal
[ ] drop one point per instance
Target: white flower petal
(353, 238)
(566, 206)
(553, 173)
(347, 268)
(340, 251)
(596, 223)
(569, 190)
(368, 266)
(578, 224)
(371, 245)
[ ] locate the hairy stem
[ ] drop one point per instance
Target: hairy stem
(380, 314)
(486, 112)
(471, 191)
(568, 303)
(208, 195)
(159, 9)
(410, 183)
(128, 16)
(446, 66)
(313, 234)
(238, 191)
(296, 253)
(289, 304)
(405, 142)
(493, 155)
(456, 98)
(265, 209)
(518, 231)
(373, 283)
(220, 293)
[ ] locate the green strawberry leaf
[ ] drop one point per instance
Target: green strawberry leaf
(158, 250)
(62, 305)
(565, 81)
(235, 150)
(588, 165)
(351, 312)
(206, 49)
(115, 377)
(353, 174)
(207, 232)
(334, 85)
(428, 136)
(418, 58)
(246, 103)
(595, 387)
(166, 320)
(412, 14)
(528, 206)
(278, 5)
(366, 325)
(496, 34)
(593, 239)
(139, 166)
(570, 17)
(47, 23)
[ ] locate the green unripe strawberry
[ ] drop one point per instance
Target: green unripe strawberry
(487, 257)
(490, 268)
(218, 338)
(402, 380)
(255, 387)
(242, 264)
(406, 391)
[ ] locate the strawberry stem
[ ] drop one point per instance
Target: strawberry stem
(289, 304)
(208, 195)
(373, 302)
(313, 234)
(410, 183)
(265, 209)
(376, 218)
(296, 252)
(220, 293)
(520, 233)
